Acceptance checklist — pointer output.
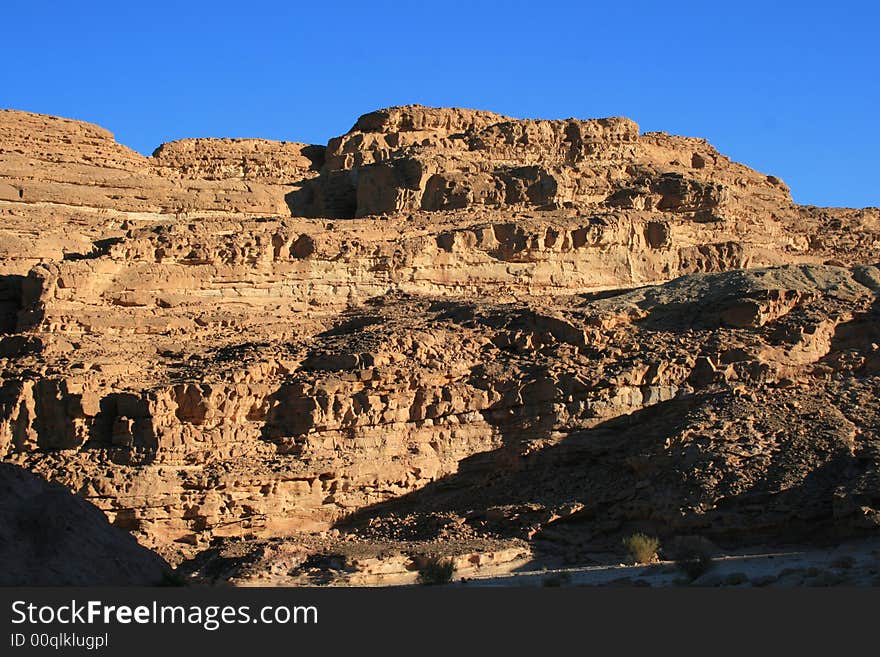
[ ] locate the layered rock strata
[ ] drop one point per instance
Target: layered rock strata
(592, 326)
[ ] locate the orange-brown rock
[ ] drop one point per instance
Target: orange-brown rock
(593, 327)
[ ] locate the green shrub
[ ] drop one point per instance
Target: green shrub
(641, 547)
(436, 571)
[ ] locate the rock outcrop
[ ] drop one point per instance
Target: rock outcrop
(597, 329)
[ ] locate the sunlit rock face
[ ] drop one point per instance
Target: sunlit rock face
(518, 320)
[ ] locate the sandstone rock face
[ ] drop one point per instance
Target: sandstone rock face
(410, 158)
(243, 159)
(443, 321)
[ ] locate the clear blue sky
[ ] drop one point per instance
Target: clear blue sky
(790, 88)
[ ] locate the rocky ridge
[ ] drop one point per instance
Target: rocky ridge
(445, 323)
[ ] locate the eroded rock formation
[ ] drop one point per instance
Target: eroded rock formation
(518, 327)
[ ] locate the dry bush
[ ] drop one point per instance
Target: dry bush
(642, 547)
(436, 571)
(692, 555)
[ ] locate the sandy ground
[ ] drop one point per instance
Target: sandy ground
(854, 563)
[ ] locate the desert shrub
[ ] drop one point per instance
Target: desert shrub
(693, 556)
(642, 547)
(436, 571)
(693, 561)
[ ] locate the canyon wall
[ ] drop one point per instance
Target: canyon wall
(239, 337)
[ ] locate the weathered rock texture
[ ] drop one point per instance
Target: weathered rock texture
(521, 327)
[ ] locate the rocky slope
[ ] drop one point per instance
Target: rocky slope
(446, 327)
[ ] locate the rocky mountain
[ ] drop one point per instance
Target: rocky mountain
(445, 327)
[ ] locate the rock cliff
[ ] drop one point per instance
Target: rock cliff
(443, 321)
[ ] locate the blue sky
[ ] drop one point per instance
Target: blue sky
(790, 88)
